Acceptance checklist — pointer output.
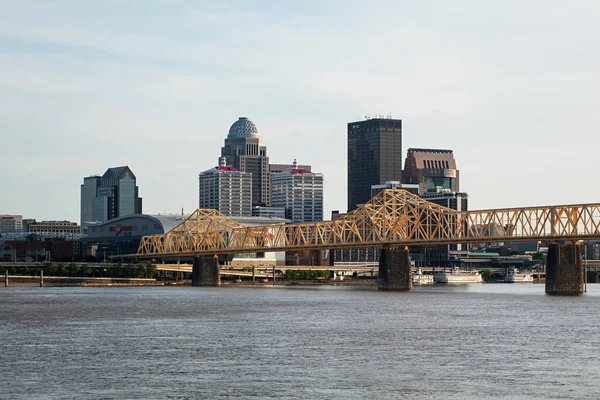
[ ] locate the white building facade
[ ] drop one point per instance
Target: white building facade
(300, 192)
(227, 190)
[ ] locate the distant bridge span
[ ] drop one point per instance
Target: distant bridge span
(393, 218)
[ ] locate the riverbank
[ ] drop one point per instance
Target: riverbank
(54, 281)
(62, 281)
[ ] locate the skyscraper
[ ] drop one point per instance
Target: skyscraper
(245, 151)
(431, 169)
(300, 192)
(435, 174)
(374, 157)
(226, 189)
(109, 196)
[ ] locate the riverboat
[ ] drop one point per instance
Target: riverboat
(456, 276)
(514, 276)
(419, 278)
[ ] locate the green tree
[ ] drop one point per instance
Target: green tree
(487, 274)
(73, 269)
(86, 270)
(2, 269)
(538, 256)
(52, 268)
(291, 274)
(150, 270)
(25, 270)
(62, 269)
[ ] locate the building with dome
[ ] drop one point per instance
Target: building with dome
(245, 151)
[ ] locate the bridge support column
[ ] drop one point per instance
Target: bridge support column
(205, 271)
(6, 278)
(395, 270)
(42, 278)
(564, 270)
(253, 273)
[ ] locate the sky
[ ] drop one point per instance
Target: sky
(513, 87)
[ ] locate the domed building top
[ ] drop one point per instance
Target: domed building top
(243, 128)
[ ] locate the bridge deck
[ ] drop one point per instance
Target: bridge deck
(394, 217)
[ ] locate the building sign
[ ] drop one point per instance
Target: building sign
(118, 228)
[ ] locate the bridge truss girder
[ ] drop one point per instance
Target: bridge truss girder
(393, 217)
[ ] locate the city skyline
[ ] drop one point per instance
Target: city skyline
(86, 86)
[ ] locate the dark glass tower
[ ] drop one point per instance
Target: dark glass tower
(374, 157)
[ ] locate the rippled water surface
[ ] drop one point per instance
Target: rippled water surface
(481, 341)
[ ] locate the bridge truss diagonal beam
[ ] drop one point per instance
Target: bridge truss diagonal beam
(394, 217)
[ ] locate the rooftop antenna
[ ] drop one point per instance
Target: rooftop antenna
(182, 210)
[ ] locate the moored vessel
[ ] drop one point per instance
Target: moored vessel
(514, 276)
(456, 276)
(419, 278)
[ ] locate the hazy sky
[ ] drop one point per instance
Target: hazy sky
(513, 87)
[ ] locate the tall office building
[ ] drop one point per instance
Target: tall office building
(109, 196)
(374, 157)
(11, 223)
(226, 189)
(431, 169)
(245, 151)
(300, 192)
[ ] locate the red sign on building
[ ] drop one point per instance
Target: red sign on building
(118, 229)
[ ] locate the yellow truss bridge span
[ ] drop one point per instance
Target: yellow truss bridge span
(394, 217)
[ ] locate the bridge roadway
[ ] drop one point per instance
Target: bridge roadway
(393, 218)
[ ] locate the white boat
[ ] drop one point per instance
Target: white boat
(419, 278)
(514, 276)
(456, 276)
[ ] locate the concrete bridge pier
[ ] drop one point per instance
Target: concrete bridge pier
(564, 270)
(205, 271)
(395, 270)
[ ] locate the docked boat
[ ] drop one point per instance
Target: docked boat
(514, 276)
(456, 276)
(419, 278)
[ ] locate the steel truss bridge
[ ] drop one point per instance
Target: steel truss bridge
(392, 218)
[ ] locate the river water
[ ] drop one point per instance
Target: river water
(490, 341)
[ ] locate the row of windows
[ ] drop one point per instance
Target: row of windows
(436, 164)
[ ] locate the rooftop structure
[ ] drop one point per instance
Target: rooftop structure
(431, 169)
